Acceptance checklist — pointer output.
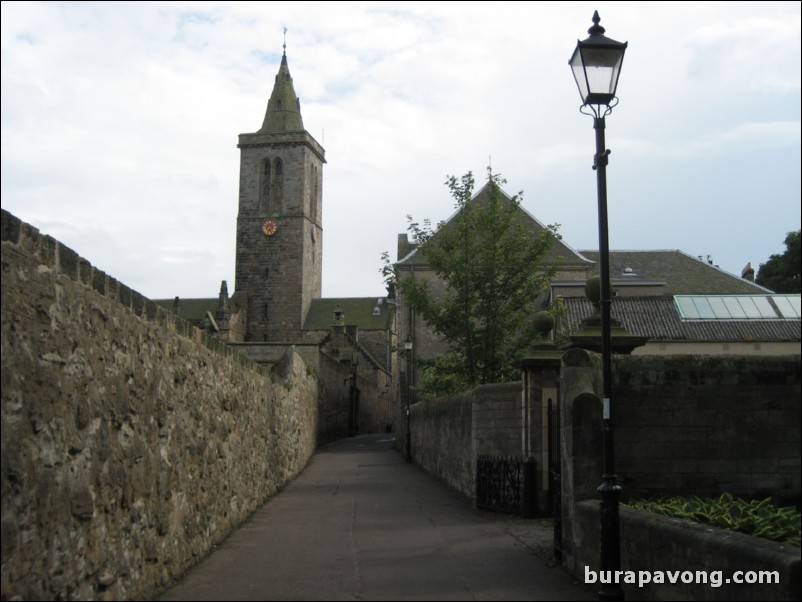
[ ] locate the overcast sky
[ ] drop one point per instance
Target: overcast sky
(120, 124)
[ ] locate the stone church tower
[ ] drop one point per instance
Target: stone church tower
(279, 225)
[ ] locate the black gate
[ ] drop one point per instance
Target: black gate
(555, 477)
(499, 483)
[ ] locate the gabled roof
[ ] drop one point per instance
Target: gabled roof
(657, 317)
(366, 313)
(560, 253)
(683, 273)
(370, 351)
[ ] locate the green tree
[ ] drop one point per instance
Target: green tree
(490, 256)
(781, 273)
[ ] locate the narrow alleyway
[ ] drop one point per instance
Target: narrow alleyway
(361, 524)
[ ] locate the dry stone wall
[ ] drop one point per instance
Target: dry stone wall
(131, 442)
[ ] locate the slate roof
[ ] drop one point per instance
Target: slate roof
(684, 274)
(192, 310)
(657, 317)
(359, 311)
(560, 253)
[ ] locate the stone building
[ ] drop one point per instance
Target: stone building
(650, 290)
(277, 300)
(279, 225)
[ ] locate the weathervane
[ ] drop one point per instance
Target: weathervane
(285, 41)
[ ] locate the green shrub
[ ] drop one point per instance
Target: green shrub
(758, 517)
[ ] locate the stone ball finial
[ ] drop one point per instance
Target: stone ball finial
(593, 289)
(543, 322)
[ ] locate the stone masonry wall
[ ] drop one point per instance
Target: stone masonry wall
(131, 442)
(442, 445)
(333, 398)
(653, 544)
(375, 409)
(702, 425)
(686, 425)
(334, 380)
(497, 419)
(448, 433)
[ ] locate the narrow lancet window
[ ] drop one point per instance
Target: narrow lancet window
(264, 189)
(278, 185)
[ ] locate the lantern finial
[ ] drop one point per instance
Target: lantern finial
(596, 29)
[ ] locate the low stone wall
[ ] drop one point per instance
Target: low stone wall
(131, 442)
(654, 543)
(497, 417)
(442, 443)
(684, 426)
(448, 433)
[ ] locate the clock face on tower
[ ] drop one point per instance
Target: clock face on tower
(269, 227)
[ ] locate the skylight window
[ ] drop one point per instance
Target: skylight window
(738, 307)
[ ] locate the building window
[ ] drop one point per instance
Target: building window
(313, 189)
(277, 192)
(264, 189)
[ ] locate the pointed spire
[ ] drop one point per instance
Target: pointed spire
(283, 109)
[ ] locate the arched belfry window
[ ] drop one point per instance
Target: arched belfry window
(264, 188)
(314, 207)
(277, 194)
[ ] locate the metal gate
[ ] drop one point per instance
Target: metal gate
(499, 483)
(555, 477)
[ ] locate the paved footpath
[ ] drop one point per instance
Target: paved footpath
(361, 524)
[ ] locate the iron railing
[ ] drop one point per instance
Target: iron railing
(499, 483)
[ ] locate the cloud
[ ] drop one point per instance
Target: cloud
(120, 121)
(733, 54)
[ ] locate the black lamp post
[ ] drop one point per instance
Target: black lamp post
(408, 351)
(596, 64)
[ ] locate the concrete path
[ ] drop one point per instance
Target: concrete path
(361, 524)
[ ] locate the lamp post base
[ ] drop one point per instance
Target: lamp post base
(610, 539)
